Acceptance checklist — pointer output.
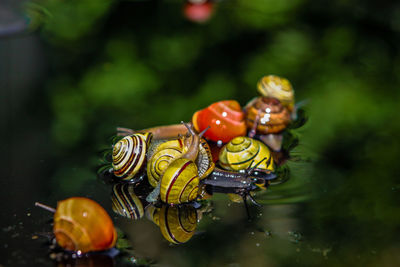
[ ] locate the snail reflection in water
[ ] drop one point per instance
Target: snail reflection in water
(82, 225)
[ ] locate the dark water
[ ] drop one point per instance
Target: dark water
(340, 207)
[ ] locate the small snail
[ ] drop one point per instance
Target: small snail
(277, 87)
(125, 202)
(266, 115)
(177, 223)
(129, 155)
(81, 224)
(180, 180)
(198, 11)
(170, 150)
(241, 152)
(225, 118)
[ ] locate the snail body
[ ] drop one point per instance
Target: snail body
(277, 87)
(129, 155)
(77, 228)
(225, 118)
(266, 115)
(242, 153)
(125, 202)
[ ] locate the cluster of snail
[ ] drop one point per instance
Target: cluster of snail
(163, 171)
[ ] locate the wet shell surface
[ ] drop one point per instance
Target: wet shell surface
(178, 223)
(170, 150)
(125, 202)
(180, 182)
(129, 155)
(80, 224)
(240, 152)
(267, 115)
(225, 118)
(277, 87)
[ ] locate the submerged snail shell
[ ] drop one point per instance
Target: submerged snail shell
(129, 155)
(125, 202)
(178, 223)
(240, 152)
(180, 182)
(267, 115)
(225, 118)
(82, 224)
(277, 87)
(170, 150)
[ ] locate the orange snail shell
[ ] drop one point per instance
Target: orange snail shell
(267, 115)
(81, 224)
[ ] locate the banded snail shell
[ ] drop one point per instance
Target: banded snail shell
(129, 155)
(242, 153)
(225, 118)
(170, 150)
(153, 214)
(277, 87)
(267, 115)
(178, 223)
(80, 224)
(180, 182)
(125, 202)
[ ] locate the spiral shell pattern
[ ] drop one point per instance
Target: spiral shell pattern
(277, 87)
(125, 202)
(129, 155)
(240, 152)
(76, 226)
(178, 223)
(180, 182)
(267, 115)
(225, 118)
(168, 151)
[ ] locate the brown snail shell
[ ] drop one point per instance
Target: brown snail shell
(267, 115)
(277, 87)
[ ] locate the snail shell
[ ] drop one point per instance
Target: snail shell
(125, 202)
(277, 87)
(129, 155)
(153, 214)
(168, 151)
(77, 226)
(180, 182)
(178, 223)
(267, 115)
(240, 152)
(225, 118)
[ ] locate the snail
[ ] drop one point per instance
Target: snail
(241, 152)
(180, 180)
(177, 223)
(277, 87)
(81, 224)
(170, 150)
(266, 115)
(198, 11)
(125, 202)
(129, 155)
(225, 118)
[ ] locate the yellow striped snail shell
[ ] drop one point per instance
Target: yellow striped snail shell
(170, 150)
(129, 155)
(244, 152)
(277, 87)
(178, 223)
(125, 202)
(266, 115)
(153, 214)
(180, 182)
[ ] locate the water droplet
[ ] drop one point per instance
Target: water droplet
(257, 244)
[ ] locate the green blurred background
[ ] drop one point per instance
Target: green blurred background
(83, 67)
